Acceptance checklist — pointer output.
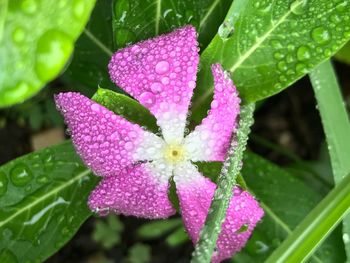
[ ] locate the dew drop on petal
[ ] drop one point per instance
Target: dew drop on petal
(156, 87)
(162, 67)
(147, 98)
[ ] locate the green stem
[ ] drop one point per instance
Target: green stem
(336, 126)
(317, 225)
(227, 180)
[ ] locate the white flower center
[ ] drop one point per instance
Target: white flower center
(174, 153)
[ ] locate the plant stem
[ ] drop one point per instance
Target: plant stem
(336, 127)
(227, 180)
(317, 225)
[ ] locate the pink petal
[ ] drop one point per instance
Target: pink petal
(210, 140)
(140, 191)
(160, 73)
(195, 197)
(106, 142)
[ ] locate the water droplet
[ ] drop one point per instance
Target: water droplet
(321, 35)
(43, 179)
(3, 183)
(78, 8)
(226, 29)
(301, 68)
(147, 99)
(303, 53)
(278, 55)
(20, 175)
(29, 6)
(53, 50)
(162, 67)
(18, 35)
(124, 36)
(121, 7)
(298, 7)
(276, 44)
(282, 66)
(156, 87)
(327, 52)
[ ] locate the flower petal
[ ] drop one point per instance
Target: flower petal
(106, 142)
(195, 197)
(160, 73)
(140, 190)
(210, 140)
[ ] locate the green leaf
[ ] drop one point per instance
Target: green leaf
(127, 107)
(36, 42)
(343, 54)
(139, 253)
(286, 201)
(178, 237)
(136, 20)
(336, 126)
(43, 202)
(156, 229)
(268, 45)
(93, 50)
(133, 21)
(316, 226)
(223, 193)
(108, 233)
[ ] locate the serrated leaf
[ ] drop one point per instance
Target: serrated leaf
(37, 39)
(133, 21)
(43, 202)
(268, 45)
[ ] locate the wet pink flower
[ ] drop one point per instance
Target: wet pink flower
(136, 165)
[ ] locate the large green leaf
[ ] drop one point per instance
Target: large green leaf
(37, 40)
(43, 203)
(267, 45)
(286, 201)
(93, 50)
(133, 21)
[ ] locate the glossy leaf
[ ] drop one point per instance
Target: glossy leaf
(315, 227)
(37, 39)
(336, 125)
(126, 107)
(136, 20)
(268, 45)
(343, 54)
(286, 201)
(93, 50)
(133, 21)
(43, 202)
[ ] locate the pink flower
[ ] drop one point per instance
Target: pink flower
(136, 165)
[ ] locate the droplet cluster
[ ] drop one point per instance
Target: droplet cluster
(210, 140)
(106, 142)
(133, 192)
(244, 210)
(159, 70)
